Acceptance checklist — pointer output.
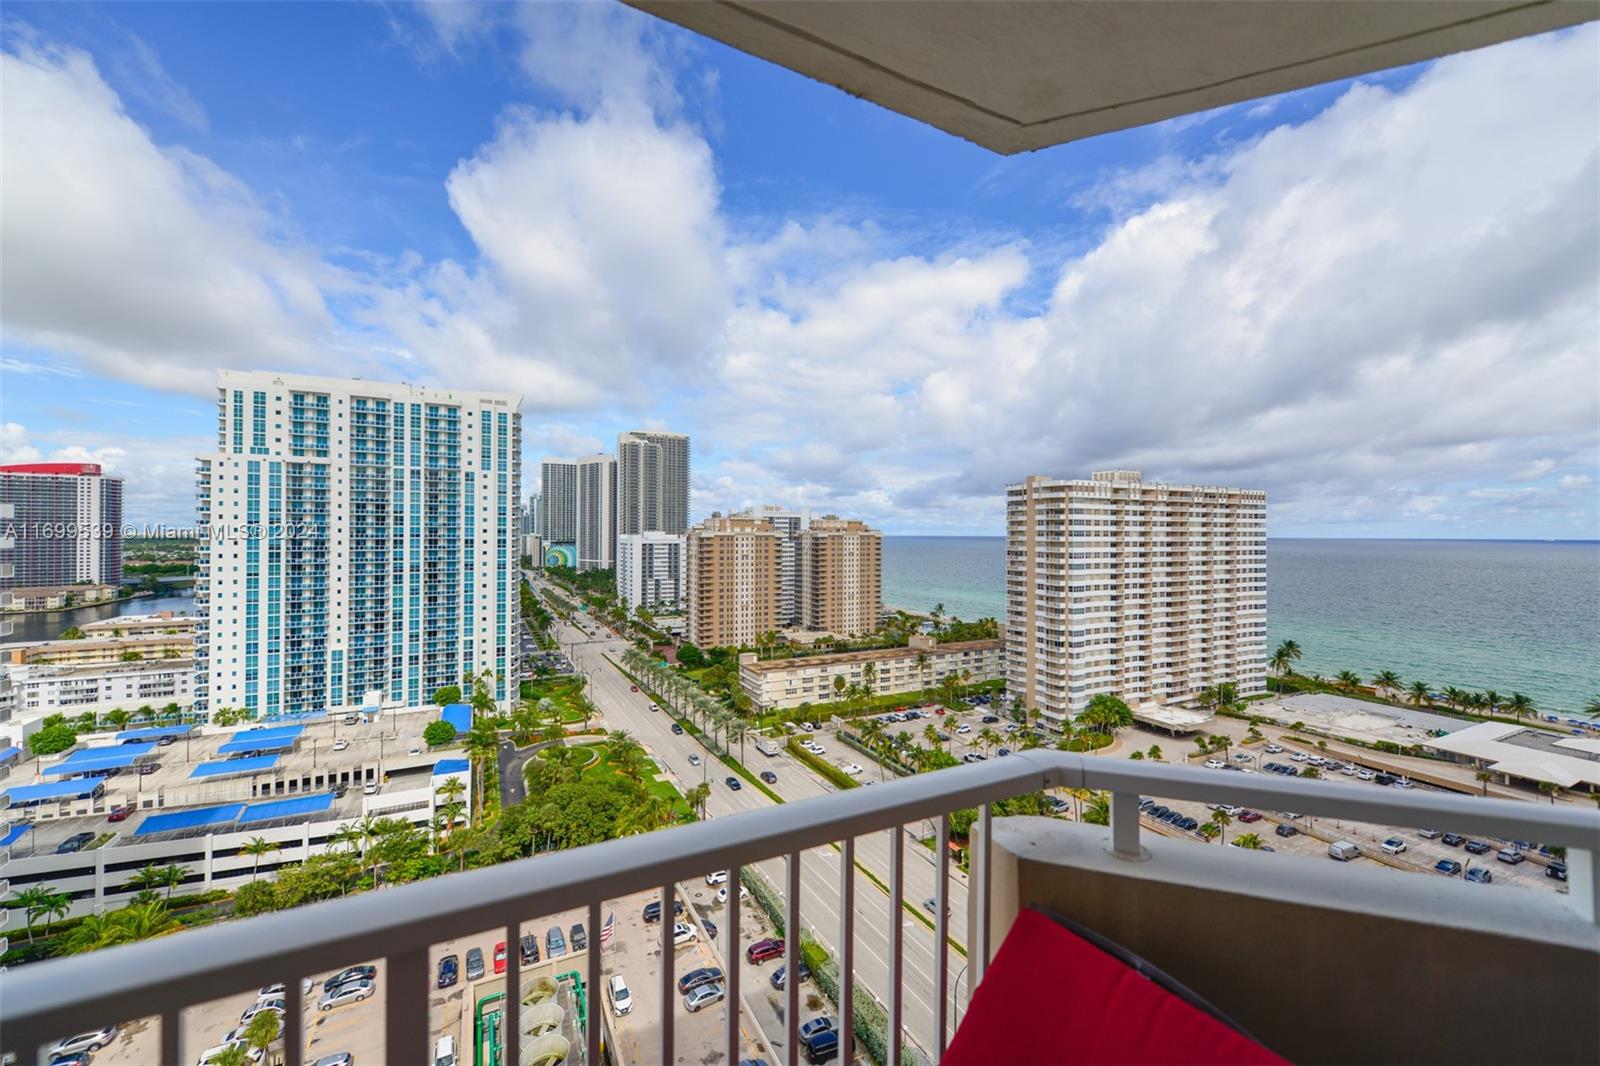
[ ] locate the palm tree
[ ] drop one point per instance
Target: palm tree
(1209, 832)
(930, 733)
(346, 835)
(988, 739)
(1550, 788)
(1098, 812)
(1248, 841)
(445, 817)
(924, 667)
(1491, 700)
(481, 745)
(1155, 752)
(1387, 681)
(738, 729)
(257, 847)
(262, 1031)
(839, 685)
(1285, 657)
(1519, 705)
(1592, 708)
(119, 717)
(452, 790)
(38, 901)
(697, 796)
(1484, 777)
(869, 677)
(1222, 821)
(1349, 680)
(1419, 693)
(152, 877)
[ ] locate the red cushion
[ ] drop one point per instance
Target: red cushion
(1052, 997)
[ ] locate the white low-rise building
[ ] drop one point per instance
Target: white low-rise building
(922, 664)
(43, 689)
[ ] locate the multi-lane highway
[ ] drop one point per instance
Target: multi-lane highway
(633, 711)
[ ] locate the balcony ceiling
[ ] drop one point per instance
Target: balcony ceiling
(1015, 76)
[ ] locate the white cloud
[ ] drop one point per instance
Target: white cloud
(158, 475)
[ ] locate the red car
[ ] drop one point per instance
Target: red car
(762, 950)
(119, 813)
(633, 688)
(1249, 816)
(500, 957)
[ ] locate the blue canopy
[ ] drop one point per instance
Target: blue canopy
(53, 790)
(228, 767)
(458, 715)
(155, 732)
(175, 821)
(294, 806)
(451, 766)
(87, 759)
(14, 834)
(7, 754)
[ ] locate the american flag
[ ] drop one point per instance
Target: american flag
(609, 928)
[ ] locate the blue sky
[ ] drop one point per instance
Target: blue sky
(1376, 300)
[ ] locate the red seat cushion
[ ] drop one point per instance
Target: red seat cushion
(1052, 997)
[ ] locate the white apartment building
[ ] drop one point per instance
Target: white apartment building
(359, 543)
(557, 519)
(43, 689)
(597, 512)
(1152, 592)
(922, 664)
(650, 570)
(790, 523)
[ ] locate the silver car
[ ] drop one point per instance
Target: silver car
(704, 996)
(354, 992)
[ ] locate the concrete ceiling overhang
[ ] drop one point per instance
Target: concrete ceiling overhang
(1015, 76)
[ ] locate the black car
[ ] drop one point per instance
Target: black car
(733, 783)
(73, 843)
(769, 777)
(148, 768)
(579, 938)
(779, 975)
(676, 728)
(652, 910)
(1455, 840)
(449, 970)
(1477, 847)
(530, 949)
(1188, 823)
(692, 980)
(1286, 830)
(990, 719)
(710, 927)
(350, 973)
(1557, 870)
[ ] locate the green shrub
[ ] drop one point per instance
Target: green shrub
(835, 776)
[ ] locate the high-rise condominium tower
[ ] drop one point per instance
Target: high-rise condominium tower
(790, 524)
(652, 482)
(650, 570)
(359, 542)
(558, 502)
(597, 512)
(732, 580)
(66, 519)
(841, 576)
(1151, 592)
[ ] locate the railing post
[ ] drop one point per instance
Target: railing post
(669, 990)
(897, 892)
(941, 936)
(731, 920)
(1583, 883)
(791, 957)
(847, 949)
(979, 858)
(511, 1006)
(294, 1021)
(1125, 825)
(597, 950)
(171, 1036)
(405, 1007)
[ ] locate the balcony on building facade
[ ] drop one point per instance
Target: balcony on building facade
(1379, 938)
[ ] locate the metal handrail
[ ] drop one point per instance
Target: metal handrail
(47, 1000)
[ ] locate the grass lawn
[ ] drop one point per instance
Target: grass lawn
(603, 767)
(564, 692)
(582, 753)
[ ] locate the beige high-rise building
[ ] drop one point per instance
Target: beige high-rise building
(1151, 592)
(732, 580)
(841, 576)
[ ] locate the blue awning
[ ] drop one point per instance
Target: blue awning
(14, 834)
(451, 766)
(88, 759)
(53, 790)
(229, 767)
(293, 807)
(7, 754)
(458, 715)
(272, 739)
(176, 821)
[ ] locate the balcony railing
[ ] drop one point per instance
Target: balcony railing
(49, 1000)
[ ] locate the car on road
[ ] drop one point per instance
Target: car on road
(621, 998)
(449, 970)
(652, 910)
(91, 1041)
(710, 927)
(694, 760)
(762, 950)
(1285, 830)
(780, 975)
(1348, 770)
(678, 729)
(1480, 876)
(1477, 847)
(578, 937)
(1510, 856)
(963, 728)
(1298, 756)
(1454, 840)
(500, 957)
(262, 1006)
(474, 963)
(555, 945)
(208, 1056)
(1448, 867)
(733, 783)
(704, 996)
(703, 975)
(1393, 846)
(529, 945)
(851, 768)
(769, 777)
(633, 688)
(73, 843)
(354, 992)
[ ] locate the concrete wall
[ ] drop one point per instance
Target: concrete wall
(1320, 961)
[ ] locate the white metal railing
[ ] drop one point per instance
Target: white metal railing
(45, 1001)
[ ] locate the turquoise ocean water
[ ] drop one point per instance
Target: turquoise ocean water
(1519, 616)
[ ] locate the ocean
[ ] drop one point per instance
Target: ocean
(1514, 616)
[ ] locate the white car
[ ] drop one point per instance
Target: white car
(1365, 775)
(1274, 749)
(963, 728)
(415, 751)
(621, 998)
(341, 744)
(91, 1041)
(717, 877)
(1394, 846)
(1216, 764)
(1347, 770)
(722, 893)
(850, 768)
(369, 789)
(354, 992)
(1230, 810)
(694, 760)
(817, 749)
(1299, 756)
(261, 1006)
(684, 933)
(210, 1054)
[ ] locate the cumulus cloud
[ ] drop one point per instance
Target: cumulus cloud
(158, 475)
